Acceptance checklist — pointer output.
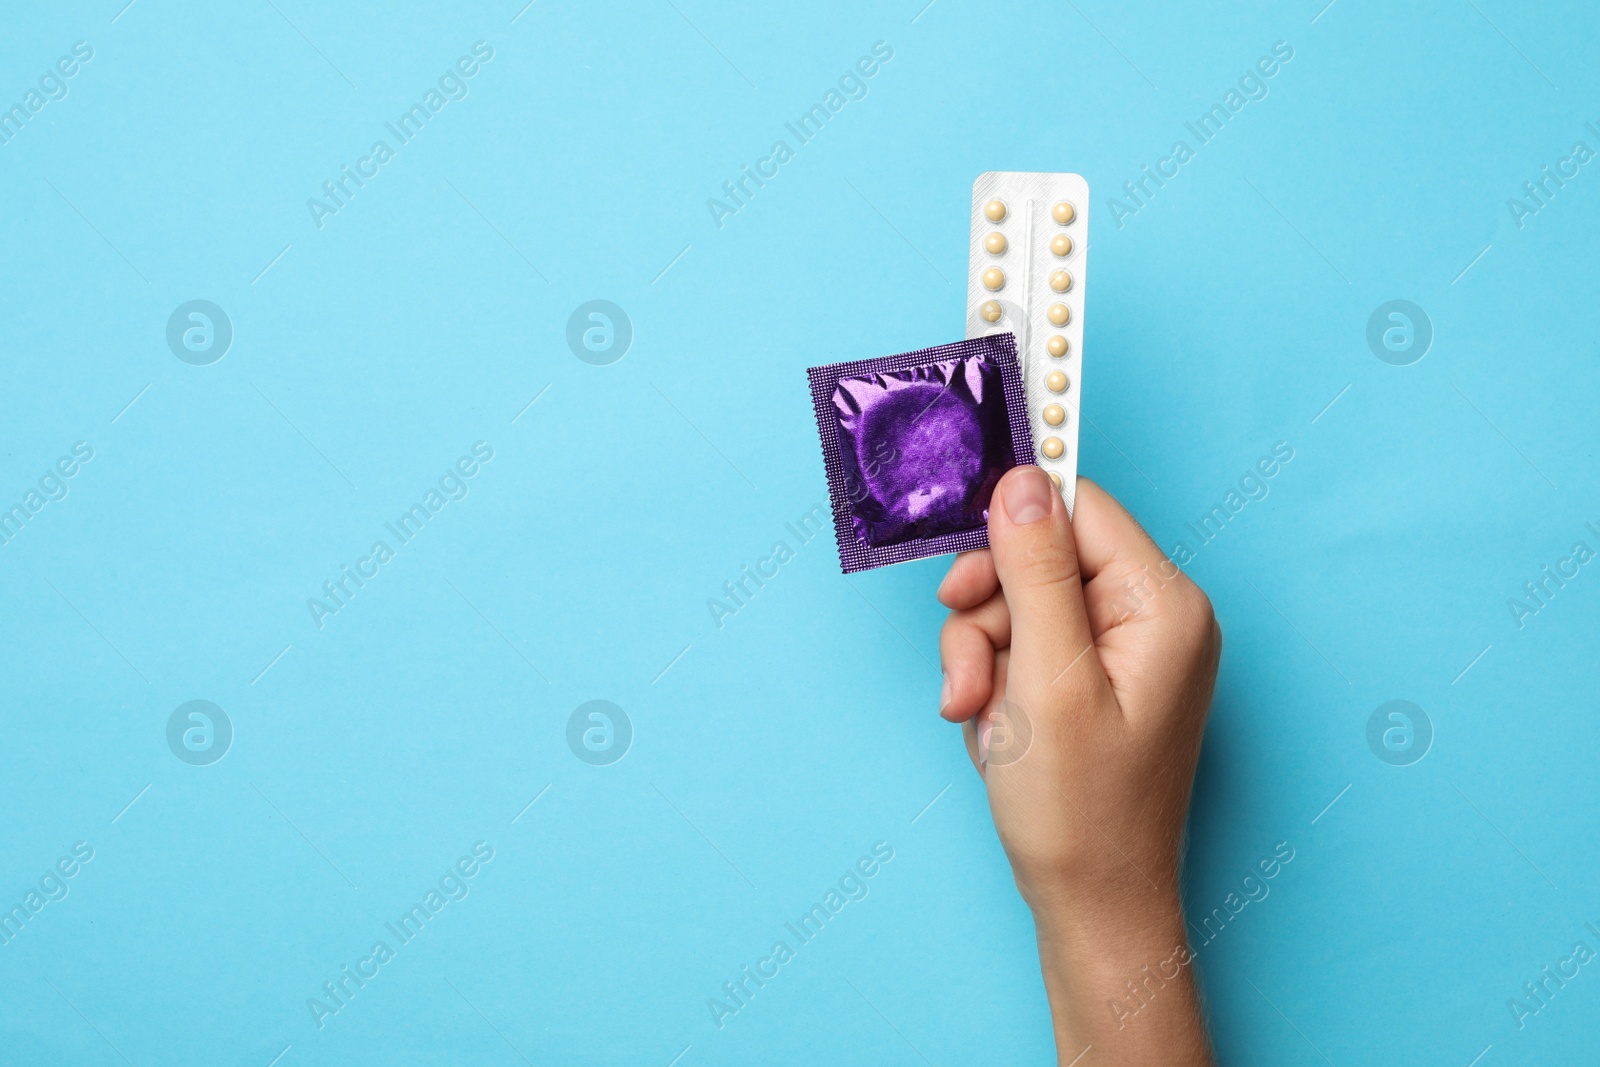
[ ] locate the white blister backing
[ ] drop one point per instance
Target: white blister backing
(1026, 274)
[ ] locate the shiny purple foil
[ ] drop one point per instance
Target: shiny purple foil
(914, 444)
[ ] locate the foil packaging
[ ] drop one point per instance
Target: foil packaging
(914, 445)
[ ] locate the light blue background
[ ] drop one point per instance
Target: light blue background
(1222, 318)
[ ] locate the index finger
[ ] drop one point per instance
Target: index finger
(1127, 574)
(1108, 536)
(969, 581)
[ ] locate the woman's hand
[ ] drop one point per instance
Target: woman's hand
(1081, 662)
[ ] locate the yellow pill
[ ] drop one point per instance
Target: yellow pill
(994, 210)
(1061, 245)
(1056, 478)
(1059, 314)
(990, 310)
(1063, 213)
(994, 278)
(1056, 346)
(995, 243)
(1060, 281)
(1056, 382)
(1054, 414)
(1053, 448)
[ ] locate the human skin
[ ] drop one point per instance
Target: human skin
(1080, 662)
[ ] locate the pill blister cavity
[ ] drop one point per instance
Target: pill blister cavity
(1023, 276)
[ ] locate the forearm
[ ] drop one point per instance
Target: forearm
(1122, 987)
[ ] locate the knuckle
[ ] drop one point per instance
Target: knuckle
(961, 632)
(953, 630)
(1193, 613)
(1045, 564)
(987, 625)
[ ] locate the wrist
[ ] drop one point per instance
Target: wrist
(1102, 946)
(1120, 977)
(1085, 912)
(1096, 912)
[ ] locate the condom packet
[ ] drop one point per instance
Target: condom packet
(914, 445)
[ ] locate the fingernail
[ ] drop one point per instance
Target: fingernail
(985, 728)
(944, 694)
(1027, 495)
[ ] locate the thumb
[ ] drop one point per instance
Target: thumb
(1036, 558)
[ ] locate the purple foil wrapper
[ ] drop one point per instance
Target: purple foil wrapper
(914, 445)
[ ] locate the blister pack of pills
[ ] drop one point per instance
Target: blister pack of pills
(1025, 276)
